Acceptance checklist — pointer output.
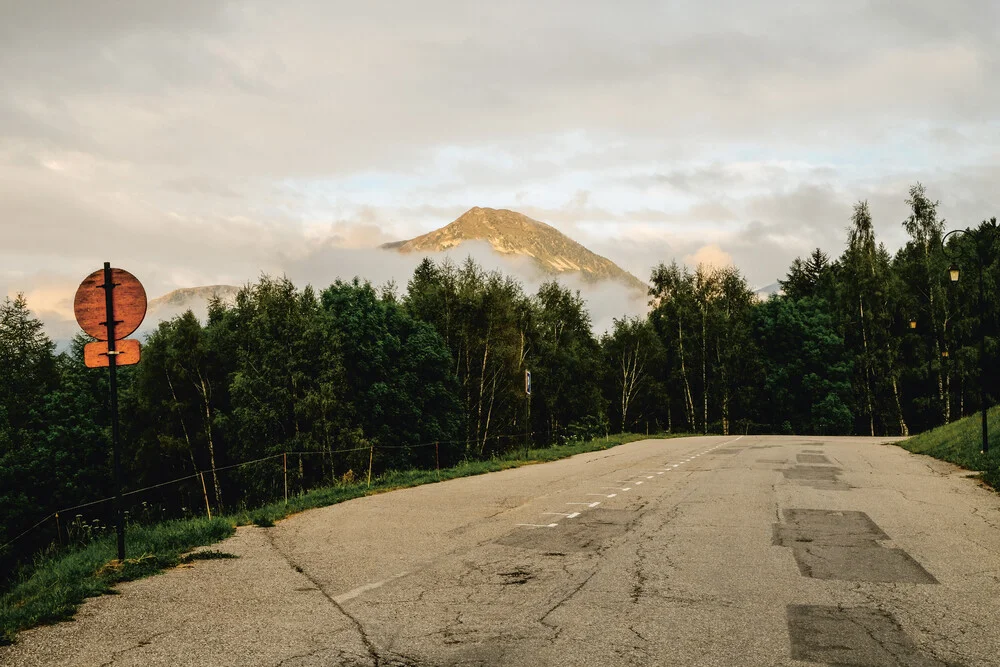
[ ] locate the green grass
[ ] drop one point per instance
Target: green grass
(960, 442)
(58, 584)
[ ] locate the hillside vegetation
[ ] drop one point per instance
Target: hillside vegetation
(960, 443)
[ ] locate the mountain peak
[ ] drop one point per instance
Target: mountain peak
(512, 233)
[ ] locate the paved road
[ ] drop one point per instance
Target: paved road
(697, 551)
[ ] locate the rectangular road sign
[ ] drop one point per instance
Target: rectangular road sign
(95, 355)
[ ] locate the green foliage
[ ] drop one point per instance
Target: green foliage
(960, 442)
(565, 362)
(806, 367)
(398, 371)
(61, 582)
(812, 277)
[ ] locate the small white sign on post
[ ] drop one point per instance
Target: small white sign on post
(527, 382)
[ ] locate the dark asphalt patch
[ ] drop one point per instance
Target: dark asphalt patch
(517, 577)
(853, 636)
(845, 546)
(588, 532)
(812, 458)
(820, 477)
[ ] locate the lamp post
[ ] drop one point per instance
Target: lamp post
(982, 236)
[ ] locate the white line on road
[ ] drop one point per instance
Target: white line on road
(571, 515)
(595, 504)
(538, 525)
(355, 592)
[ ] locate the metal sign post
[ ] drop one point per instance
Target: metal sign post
(109, 301)
(527, 409)
(110, 304)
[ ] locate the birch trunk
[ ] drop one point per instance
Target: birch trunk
(903, 429)
(482, 391)
(724, 401)
(688, 399)
(187, 438)
(205, 396)
(868, 373)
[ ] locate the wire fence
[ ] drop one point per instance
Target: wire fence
(372, 449)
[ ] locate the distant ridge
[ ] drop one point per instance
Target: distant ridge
(187, 296)
(512, 233)
(179, 301)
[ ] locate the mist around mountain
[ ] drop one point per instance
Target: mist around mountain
(512, 233)
(764, 293)
(179, 301)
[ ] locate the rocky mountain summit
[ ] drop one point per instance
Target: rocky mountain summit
(512, 233)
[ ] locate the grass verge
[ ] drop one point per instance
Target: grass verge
(58, 584)
(960, 442)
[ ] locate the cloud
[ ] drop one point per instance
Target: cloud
(206, 142)
(711, 256)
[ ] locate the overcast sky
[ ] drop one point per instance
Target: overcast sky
(198, 142)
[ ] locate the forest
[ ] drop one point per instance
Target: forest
(333, 383)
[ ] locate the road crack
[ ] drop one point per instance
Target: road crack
(362, 633)
(564, 600)
(145, 642)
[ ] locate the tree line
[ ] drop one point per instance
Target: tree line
(358, 376)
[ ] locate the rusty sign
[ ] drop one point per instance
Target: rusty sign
(95, 355)
(128, 299)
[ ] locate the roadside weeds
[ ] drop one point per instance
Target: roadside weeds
(960, 442)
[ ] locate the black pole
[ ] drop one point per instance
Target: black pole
(113, 372)
(982, 357)
(527, 398)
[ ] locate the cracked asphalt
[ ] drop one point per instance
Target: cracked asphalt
(769, 550)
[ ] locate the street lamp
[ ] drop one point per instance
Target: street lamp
(982, 236)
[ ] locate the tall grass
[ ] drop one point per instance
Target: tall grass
(960, 443)
(57, 584)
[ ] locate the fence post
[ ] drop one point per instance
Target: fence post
(58, 530)
(204, 491)
(437, 459)
(371, 455)
(284, 465)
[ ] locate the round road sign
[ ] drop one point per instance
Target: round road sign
(129, 300)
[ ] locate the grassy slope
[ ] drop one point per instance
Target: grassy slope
(58, 584)
(960, 442)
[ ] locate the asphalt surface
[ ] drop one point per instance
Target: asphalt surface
(725, 551)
